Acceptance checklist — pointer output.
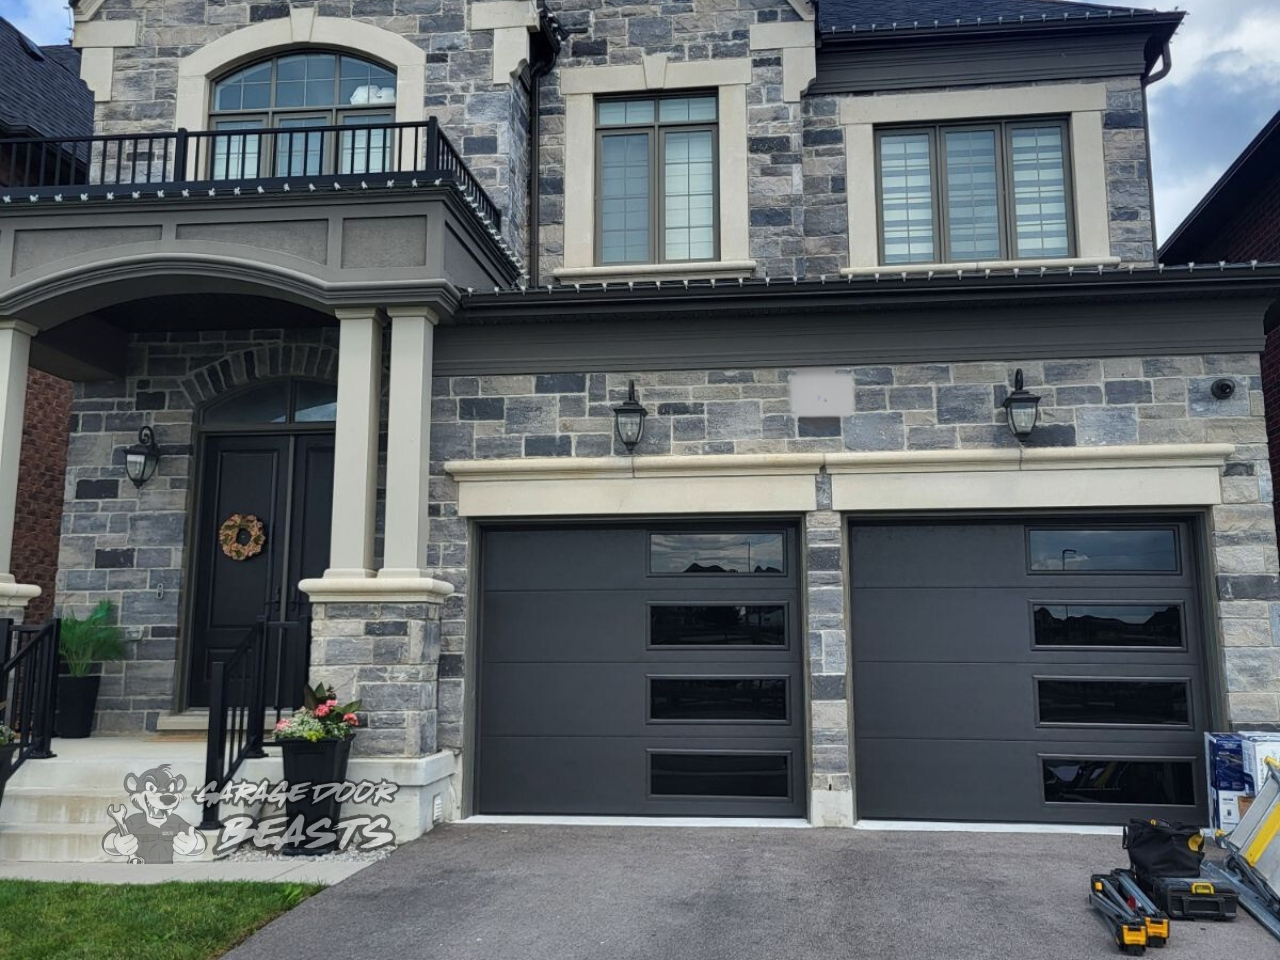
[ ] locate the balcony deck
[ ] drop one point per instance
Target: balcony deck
(218, 162)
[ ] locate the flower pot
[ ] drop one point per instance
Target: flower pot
(6, 764)
(321, 761)
(77, 700)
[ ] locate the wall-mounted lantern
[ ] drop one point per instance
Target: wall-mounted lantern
(141, 459)
(1023, 408)
(628, 418)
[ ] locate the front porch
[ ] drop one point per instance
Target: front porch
(55, 810)
(189, 300)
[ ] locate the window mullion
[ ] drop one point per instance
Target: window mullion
(657, 195)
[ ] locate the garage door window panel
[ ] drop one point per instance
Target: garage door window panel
(713, 776)
(718, 554)
(752, 700)
(1119, 780)
(1108, 625)
(718, 625)
(1093, 701)
(1099, 550)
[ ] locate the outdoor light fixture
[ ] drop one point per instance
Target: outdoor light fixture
(141, 459)
(628, 418)
(1023, 408)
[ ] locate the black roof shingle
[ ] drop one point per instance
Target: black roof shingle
(41, 93)
(925, 14)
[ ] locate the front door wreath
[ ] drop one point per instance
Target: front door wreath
(241, 536)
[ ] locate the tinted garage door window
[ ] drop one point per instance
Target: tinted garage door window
(1027, 671)
(641, 670)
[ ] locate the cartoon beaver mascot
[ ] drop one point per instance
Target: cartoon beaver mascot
(153, 834)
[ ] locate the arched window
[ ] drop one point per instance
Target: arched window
(301, 94)
(276, 401)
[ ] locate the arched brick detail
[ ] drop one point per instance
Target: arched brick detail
(314, 360)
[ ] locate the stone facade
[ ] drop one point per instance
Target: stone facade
(1087, 403)
(127, 544)
(797, 177)
(487, 123)
(387, 656)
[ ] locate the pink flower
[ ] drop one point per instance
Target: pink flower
(333, 700)
(282, 725)
(323, 710)
(352, 719)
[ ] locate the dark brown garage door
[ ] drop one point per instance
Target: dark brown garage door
(1031, 671)
(643, 670)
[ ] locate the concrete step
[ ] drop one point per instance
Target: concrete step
(68, 843)
(55, 843)
(36, 805)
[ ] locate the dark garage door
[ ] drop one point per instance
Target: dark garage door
(1031, 671)
(642, 670)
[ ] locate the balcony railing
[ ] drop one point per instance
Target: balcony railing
(264, 156)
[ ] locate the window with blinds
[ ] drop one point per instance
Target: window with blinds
(966, 192)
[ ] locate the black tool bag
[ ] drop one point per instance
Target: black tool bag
(1158, 848)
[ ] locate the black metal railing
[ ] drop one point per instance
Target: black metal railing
(264, 674)
(237, 155)
(28, 687)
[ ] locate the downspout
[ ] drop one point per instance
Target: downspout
(543, 55)
(1166, 65)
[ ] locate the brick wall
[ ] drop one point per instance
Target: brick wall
(40, 477)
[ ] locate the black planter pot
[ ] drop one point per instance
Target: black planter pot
(324, 761)
(6, 762)
(77, 700)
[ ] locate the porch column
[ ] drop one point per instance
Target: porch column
(408, 442)
(15, 349)
(355, 469)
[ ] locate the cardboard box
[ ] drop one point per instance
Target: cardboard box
(1224, 761)
(1256, 747)
(1226, 807)
(1229, 783)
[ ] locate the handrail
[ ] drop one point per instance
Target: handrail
(238, 701)
(247, 154)
(28, 687)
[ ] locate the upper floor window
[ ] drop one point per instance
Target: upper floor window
(981, 191)
(297, 93)
(656, 188)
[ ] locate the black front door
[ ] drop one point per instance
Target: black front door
(286, 481)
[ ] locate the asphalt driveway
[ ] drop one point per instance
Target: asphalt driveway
(640, 893)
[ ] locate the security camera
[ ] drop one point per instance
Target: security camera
(1223, 389)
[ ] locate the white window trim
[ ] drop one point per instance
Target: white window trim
(580, 86)
(198, 70)
(1083, 103)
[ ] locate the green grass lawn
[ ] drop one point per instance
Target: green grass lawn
(164, 921)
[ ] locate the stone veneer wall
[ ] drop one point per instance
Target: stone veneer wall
(128, 545)
(488, 124)
(796, 168)
(1087, 402)
(386, 655)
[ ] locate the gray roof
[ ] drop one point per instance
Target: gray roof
(840, 15)
(41, 93)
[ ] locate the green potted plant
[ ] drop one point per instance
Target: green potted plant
(315, 744)
(8, 747)
(82, 643)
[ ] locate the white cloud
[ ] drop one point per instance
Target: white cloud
(44, 21)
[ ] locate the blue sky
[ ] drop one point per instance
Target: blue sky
(1225, 85)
